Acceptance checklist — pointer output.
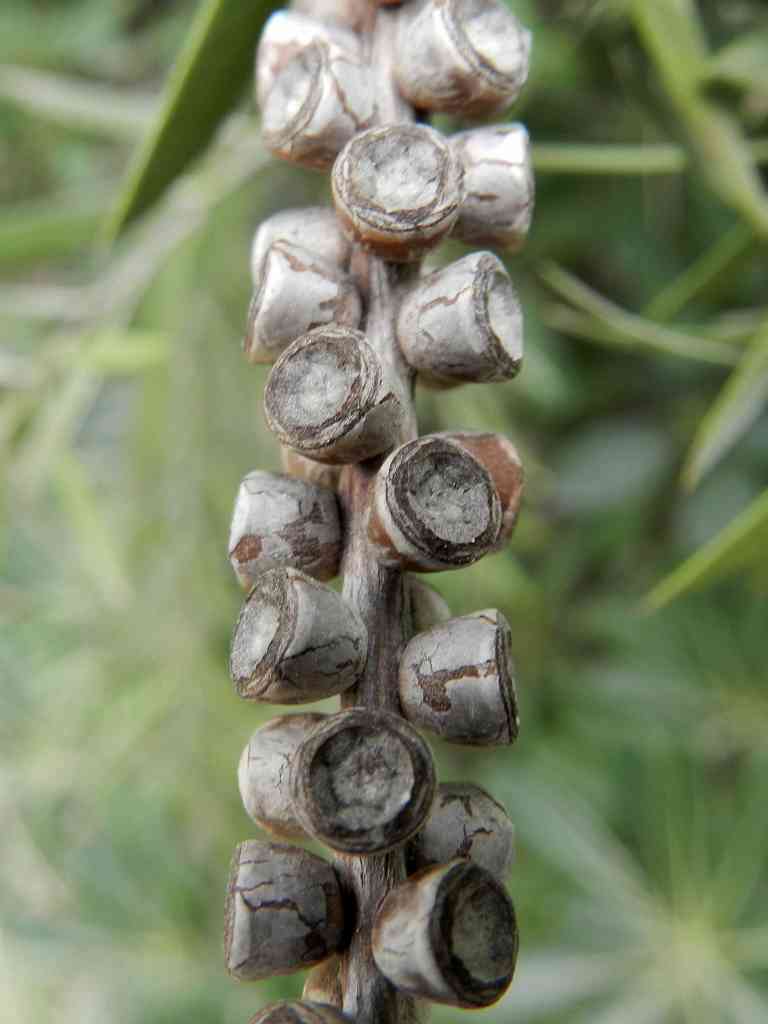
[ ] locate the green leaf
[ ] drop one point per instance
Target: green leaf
(740, 402)
(732, 549)
(596, 318)
(206, 82)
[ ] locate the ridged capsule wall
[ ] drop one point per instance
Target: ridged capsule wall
(409, 906)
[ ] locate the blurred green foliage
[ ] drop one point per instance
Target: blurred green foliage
(127, 417)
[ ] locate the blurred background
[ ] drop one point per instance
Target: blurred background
(635, 585)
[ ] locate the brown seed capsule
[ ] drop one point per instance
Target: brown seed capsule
(297, 292)
(299, 1013)
(279, 523)
(287, 33)
(349, 13)
(264, 773)
(397, 190)
(323, 984)
(314, 228)
(317, 102)
(283, 912)
(448, 934)
(500, 458)
(428, 608)
(295, 641)
(463, 323)
(462, 56)
(465, 821)
(363, 781)
(434, 507)
(329, 397)
(500, 190)
(457, 681)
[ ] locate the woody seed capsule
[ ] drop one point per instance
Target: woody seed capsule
(318, 100)
(297, 292)
(463, 323)
(397, 190)
(295, 641)
(287, 33)
(363, 781)
(465, 821)
(283, 913)
(264, 773)
(467, 57)
(500, 190)
(299, 1013)
(448, 934)
(329, 398)
(314, 228)
(457, 681)
(283, 523)
(434, 507)
(501, 459)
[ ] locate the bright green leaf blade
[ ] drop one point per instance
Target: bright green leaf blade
(733, 548)
(736, 408)
(206, 82)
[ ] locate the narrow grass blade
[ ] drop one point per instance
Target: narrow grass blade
(740, 402)
(206, 82)
(733, 548)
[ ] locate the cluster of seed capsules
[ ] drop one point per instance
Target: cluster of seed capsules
(350, 320)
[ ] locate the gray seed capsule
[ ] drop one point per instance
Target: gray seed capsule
(448, 934)
(465, 821)
(279, 522)
(500, 190)
(434, 507)
(329, 397)
(463, 323)
(315, 228)
(363, 781)
(296, 293)
(462, 56)
(283, 913)
(295, 641)
(264, 773)
(397, 190)
(299, 1013)
(457, 681)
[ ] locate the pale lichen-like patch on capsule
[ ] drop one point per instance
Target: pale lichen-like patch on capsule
(279, 522)
(329, 398)
(434, 507)
(501, 459)
(317, 102)
(264, 773)
(283, 911)
(457, 681)
(462, 56)
(363, 781)
(297, 292)
(315, 228)
(448, 934)
(397, 190)
(465, 821)
(463, 323)
(295, 641)
(295, 1012)
(500, 189)
(287, 33)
